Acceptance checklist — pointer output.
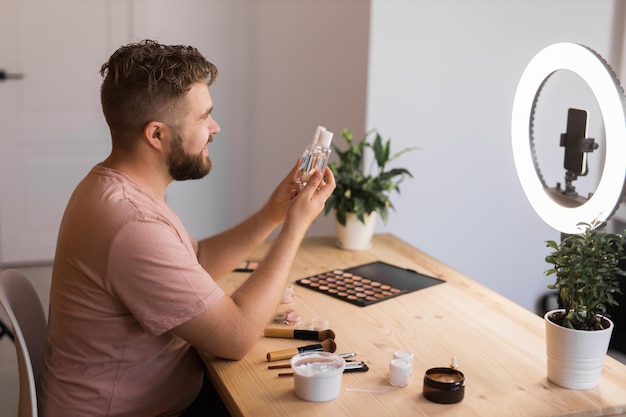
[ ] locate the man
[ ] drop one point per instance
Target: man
(133, 295)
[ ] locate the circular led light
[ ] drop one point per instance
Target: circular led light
(598, 75)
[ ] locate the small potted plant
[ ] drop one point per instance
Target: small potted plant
(587, 270)
(362, 193)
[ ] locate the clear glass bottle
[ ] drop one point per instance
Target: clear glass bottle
(315, 156)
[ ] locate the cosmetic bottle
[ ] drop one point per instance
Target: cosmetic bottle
(315, 156)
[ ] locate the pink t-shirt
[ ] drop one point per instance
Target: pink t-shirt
(125, 273)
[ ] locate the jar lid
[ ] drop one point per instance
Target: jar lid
(318, 364)
(444, 378)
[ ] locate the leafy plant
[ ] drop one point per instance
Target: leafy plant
(362, 191)
(586, 266)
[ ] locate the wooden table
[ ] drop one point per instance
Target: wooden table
(500, 348)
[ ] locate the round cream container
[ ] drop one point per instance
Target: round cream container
(399, 372)
(444, 385)
(317, 375)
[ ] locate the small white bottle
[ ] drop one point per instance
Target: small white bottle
(315, 156)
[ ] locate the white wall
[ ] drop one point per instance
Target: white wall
(442, 76)
(309, 68)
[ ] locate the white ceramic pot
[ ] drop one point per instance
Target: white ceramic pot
(356, 235)
(575, 357)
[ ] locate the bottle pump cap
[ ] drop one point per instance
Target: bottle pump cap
(316, 136)
(325, 138)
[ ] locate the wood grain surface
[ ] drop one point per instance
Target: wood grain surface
(500, 348)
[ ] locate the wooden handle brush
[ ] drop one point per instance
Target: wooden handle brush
(327, 345)
(300, 334)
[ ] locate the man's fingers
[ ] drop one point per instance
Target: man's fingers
(315, 180)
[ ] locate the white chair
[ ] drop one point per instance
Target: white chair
(28, 322)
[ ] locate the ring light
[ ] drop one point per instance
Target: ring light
(598, 75)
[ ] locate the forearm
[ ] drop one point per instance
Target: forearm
(221, 253)
(259, 295)
(231, 327)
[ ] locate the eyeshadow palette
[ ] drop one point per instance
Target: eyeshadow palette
(368, 284)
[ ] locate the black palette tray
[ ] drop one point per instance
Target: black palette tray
(368, 284)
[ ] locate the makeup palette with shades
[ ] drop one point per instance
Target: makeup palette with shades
(368, 284)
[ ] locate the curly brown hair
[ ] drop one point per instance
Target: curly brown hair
(146, 81)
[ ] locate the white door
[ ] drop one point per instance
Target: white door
(51, 127)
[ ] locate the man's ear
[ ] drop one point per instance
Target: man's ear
(156, 134)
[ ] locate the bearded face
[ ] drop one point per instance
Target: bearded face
(183, 166)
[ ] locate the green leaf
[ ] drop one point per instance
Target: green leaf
(363, 192)
(586, 266)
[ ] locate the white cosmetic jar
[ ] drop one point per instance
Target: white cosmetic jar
(317, 375)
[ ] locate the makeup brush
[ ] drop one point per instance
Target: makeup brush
(327, 345)
(300, 334)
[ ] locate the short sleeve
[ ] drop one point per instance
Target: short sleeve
(155, 273)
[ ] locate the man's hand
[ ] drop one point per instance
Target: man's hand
(310, 200)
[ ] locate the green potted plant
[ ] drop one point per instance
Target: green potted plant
(363, 192)
(586, 267)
